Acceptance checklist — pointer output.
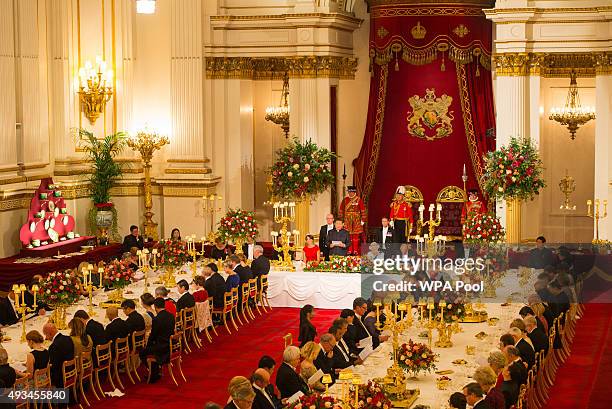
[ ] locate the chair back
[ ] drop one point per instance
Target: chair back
(264, 283)
(138, 341)
(235, 296)
(104, 355)
(85, 365)
(188, 315)
(178, 323)
(22, 385)
(42, 378)
(203, 317)
(288, 339)
(227, 301)
(122, 349)
(70, 373)
(245, 293)
(252, 288)
(176, 347)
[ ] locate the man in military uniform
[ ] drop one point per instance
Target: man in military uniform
(354, 214)
(401, 216)
(472, 206)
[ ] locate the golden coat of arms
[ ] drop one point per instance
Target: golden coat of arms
(430, 113)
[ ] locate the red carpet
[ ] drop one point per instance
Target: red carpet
(209, 370)
(583, 381)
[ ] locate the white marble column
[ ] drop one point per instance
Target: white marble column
(603, 148)
(186, 80)
(8, 153)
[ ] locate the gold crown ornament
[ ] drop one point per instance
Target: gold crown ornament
(418, 32)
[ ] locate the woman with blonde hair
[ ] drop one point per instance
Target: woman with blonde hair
(82, 342)
(309, 353)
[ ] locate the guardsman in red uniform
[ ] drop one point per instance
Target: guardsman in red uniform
(472, 206)
(354, 214)
(401, 216)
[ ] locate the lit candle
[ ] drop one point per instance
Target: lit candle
(23, 290)
(464, 173)
(101, 271)
(35, 291)
(439, 206)
(16, 293)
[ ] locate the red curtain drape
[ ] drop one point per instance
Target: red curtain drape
(413, 49)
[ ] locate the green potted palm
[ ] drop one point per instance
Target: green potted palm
(102, 153)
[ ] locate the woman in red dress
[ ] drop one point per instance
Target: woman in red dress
(311, 250)
(199, 294)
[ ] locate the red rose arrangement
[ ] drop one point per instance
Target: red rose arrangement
(371, 396)
(117, 274)
(315, 401)
(172, 253)
(238, 224)
(414, 358)
(514, 171)
(338, 264)
(483, 228)
(60, 288)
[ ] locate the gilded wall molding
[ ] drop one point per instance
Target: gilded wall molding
(553, 64)
(22, 179)
(267, 68)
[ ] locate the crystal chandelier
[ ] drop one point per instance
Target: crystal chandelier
(280, 114)
(572, 115)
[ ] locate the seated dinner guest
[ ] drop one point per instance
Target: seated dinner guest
(260, 265)
(186, 300)
(326, 228)
(158, 344)
(220, 250)
(81, 341)
(374, 253)
(311, 250)
(309, 353)
(487, 379)
(525, 348)
(242, 268)
(474, 396)
(94, 329)
(514, 360)
(134, 239)
(325, 359)
(351, 333)
(342, 354)
(308, 332)
(511, 384)
(215, 286)
(38, 357)
(541, 256)
(60, 350)
(241, 393)
(199, 292)
(267, 363)
(360, 307)
(261, 381)
(163, 292)
(457, 401)
(497, 362)
(338, 240)
(233, 280)
(175, 235)
(288, 381)
(8, 313)
(129, 259)
(538, 338)
(7, 374)
(146, 301)
(134, 320)
(116, 328)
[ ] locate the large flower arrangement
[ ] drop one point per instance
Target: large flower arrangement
(172, 253)
(237, 224)
(371, 396)
(338, 264)
(514, 171)
(117, 274)
(483, 228)
(315, 401)
(301, 169)
(454, 310)
(60, 288)
(414, 358)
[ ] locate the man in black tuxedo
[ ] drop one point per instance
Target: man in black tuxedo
(215, 286)
(350, 337)
(360, 307)
(60, 350)
(260, 265)
(288, 381)
(260, 381)
(536, 334)
(474, 395)
(513, 356)
(158, 344)
(342, 354)
(526, 311)
(325, 360)
(338, 240)
(8, 313)
(134, 239)
(116, 328)
(525, 348)
(244, 272)
(540, 256)
(248, 248)
(134, 320)
(94, 329)
(268, 364)
(384, 237)
(186, 299)
(326, 228)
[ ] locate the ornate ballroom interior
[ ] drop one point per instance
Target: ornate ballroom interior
(205, 77)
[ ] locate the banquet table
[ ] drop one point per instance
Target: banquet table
(375, 365)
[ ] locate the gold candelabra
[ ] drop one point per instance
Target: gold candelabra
(147, 143)
(210, 207)
(572, 115)
(21, 307)
(144, 264)
(430, 245)
(597, 216)
(284, 213)
(397, 320)
(88, 284)
(567, 185)
(94, 89)
(445, 330)
(193, 252)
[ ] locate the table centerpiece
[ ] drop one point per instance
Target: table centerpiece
(59, 290)
(237, 226)
(117, 275)
(415, 358)
(173, 254)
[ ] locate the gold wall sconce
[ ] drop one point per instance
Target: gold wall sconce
(95, 88)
